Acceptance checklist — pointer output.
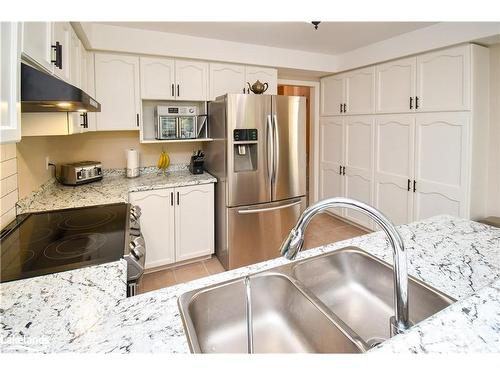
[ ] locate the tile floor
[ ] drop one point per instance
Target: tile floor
(322, 230)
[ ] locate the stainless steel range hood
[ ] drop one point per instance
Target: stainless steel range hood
(42, 92)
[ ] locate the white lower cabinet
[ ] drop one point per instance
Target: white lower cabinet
(177, 224)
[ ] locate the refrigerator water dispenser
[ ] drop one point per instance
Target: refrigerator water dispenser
(245, 150)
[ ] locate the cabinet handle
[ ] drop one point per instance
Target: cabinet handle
(173, 92)
(172, 198)
(409, 184)
(340, 170)
(411, 102)
(414, 186)
(345, 108)
(177, 198)
(416, 102)
(85, 123)
(178, 91)
(58, 60)
(137, 118)
(343, 171)
(243, 90)
(340, 107)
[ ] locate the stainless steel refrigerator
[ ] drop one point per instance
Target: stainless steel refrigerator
(259, 158)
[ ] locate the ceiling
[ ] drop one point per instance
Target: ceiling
(330, 38)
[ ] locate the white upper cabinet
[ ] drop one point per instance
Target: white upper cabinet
(37, 41)
(194, 204)
(10, 86)
(442, 158)
(226, 79)
(76, 60)
(332, 95)
(191, 80)
(443, 80)
(61, 33)
(117, 90)
(360, 91)
(395, 86)
(264, 75)
(393, 166)
(157, 78)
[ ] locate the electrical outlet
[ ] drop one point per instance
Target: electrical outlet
(47, 161)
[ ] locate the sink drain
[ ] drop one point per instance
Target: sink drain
(374, 342)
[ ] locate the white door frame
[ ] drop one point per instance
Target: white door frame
(314, 129)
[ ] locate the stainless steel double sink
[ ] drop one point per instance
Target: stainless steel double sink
(339, 302)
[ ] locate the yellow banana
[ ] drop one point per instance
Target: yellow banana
(167, 160)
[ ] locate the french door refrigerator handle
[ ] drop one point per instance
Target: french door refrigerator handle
(267, 209)
(270, 148)
(276, 149)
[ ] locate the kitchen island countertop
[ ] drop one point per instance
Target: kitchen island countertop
(457, 256)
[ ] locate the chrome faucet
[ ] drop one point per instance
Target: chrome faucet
(295, 240)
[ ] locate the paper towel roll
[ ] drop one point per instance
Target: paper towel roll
(132, 163)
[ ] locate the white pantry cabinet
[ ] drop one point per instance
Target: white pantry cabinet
(37, 42)
(359, 91)
(395, 86)
(358, 166)
(157, 225)
(10, 83)
(443, 80)
(191, 78)
(117, 89)
(226, 79)
(393, 166)
(332, 95)
(269, 75)
(442, 159)
(177, 223)
(157, 78)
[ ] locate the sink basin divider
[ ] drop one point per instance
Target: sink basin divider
(248, 292)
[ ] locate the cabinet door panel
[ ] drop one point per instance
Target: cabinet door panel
(194, 221)
(441, 159)
(62, 34)
(394, 152)
(226, 79)
(359, 164)
(269, 75)
(331, 159)
(360, 91)
(157, 78)
(76, 60)
(443, 80)
(332, 95)
(157, 225)
(37, 39)
(395, 82)
(117, 89)
(192, 80)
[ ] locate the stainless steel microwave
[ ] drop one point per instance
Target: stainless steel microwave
(176, 122)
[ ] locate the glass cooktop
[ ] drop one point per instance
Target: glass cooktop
(54, 241)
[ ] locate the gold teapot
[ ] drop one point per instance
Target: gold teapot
(258, 87)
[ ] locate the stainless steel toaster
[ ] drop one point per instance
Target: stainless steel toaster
(80, 172)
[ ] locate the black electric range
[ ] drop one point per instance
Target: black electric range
(47, 242)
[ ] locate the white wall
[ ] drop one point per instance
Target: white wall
(494, 146)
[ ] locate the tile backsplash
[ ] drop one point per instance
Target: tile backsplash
(8, 188)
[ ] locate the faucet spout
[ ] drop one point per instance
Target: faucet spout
(295, 241)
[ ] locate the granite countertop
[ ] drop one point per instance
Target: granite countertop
(113, 188)
(457, 256)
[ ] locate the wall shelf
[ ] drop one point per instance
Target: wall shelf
(191, 140)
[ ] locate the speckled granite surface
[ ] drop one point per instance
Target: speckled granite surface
(114, 187)
(457, 256)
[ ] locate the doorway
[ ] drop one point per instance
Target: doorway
(293, 90)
